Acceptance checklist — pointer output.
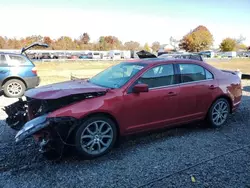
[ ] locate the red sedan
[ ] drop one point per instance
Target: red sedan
(127, 98)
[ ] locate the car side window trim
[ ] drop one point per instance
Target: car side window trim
(185, 83)
(162, 87)
(179, 84)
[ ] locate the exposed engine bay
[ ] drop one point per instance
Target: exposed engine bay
(29, 117)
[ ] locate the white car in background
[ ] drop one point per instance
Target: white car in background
(94, 55)
(115, 54)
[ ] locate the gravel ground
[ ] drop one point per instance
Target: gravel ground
(169, 158)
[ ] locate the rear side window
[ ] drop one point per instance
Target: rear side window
(3, 61)
(209, 75)
(159, 76)
(17, 60)
(191, 73)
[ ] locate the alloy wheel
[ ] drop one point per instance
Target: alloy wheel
(220, 112)
(97, 137)
(14, 88)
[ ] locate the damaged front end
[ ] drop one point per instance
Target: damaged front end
(17, 114)
(30, 117)
(51, 134)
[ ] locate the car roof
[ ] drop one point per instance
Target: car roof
(9, 53)
(154, 61)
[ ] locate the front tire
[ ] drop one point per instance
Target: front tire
(14, 88)
(95, 137)
(218, 113)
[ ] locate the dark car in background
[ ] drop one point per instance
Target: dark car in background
(17, 73)
(207, 54)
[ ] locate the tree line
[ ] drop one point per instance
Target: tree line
(82, 43)
(196, 40)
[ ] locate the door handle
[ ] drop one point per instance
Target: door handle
(171, 93)
(212, 87)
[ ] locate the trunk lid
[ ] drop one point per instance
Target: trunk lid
(144, 54)
(23, 50)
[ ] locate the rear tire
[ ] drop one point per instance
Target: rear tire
(14, 88)
(95, 137)
(218, 113)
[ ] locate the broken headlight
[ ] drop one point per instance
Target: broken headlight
(32, 127)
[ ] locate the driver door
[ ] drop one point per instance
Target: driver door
(158, 106)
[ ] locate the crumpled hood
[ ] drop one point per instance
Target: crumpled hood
(63, 89)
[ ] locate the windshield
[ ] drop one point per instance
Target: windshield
(117, 75)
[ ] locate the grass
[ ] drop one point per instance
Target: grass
(232, 64)
(52, 72)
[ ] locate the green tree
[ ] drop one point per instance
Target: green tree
(146, 47)
(197, 40)
(156, 46)
(228, 44)
(241, 47)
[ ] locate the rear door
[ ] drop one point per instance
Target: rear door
(4, 68)
(197, 90)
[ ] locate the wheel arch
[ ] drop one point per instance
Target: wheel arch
(13, 77)
(223, 97)
(106, 114)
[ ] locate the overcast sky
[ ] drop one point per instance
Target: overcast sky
(142, 21)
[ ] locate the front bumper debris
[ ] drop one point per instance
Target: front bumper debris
(32, 127)
(17, 114)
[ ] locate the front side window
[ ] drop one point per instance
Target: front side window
(159, 76)
(192, 73)
(117, 75)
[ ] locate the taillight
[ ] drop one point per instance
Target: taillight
(34, 70)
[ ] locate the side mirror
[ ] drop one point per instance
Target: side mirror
(138, 88)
